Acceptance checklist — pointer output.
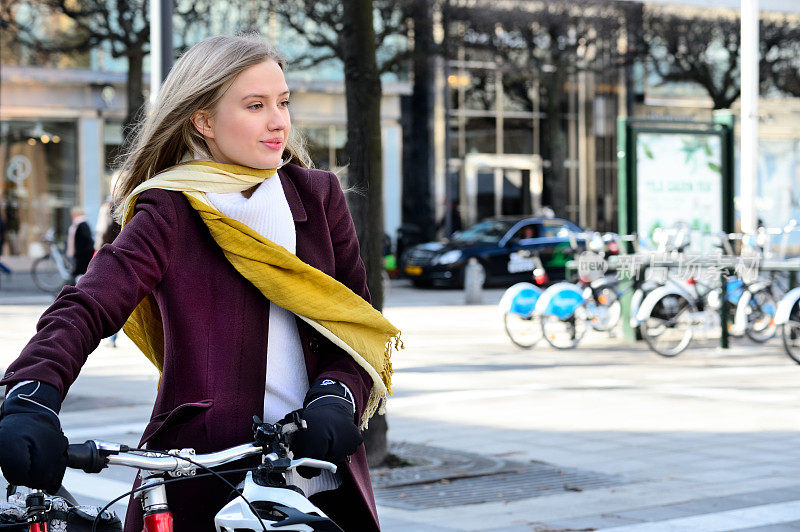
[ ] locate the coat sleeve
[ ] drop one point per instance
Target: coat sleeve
(118, 278)
(350, 271)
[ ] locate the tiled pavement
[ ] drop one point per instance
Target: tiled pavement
(709, 440)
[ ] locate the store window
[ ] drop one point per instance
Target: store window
(39, 183)
(326, 145)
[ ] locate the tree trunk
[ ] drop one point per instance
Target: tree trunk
(364, 173)
(417, 175)
(555, 185)
(135, 97)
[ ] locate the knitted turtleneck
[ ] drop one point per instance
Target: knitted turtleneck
(267, 212)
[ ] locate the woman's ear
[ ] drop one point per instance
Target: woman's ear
(201, 120)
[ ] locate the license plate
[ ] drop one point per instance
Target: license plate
(414, 270)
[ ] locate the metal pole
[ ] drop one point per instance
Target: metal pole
(161, 51)
(448, 187)
(749, 115)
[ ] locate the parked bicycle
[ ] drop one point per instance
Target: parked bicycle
(787, 318)
(51, 271)
(262, 501)
(671, 314)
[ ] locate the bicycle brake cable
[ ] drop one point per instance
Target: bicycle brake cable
(171, 480)
(217, 475)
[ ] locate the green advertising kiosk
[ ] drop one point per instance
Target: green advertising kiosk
(674, 172)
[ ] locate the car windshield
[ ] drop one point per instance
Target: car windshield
(488, 231)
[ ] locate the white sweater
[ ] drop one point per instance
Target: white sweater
(267, 212)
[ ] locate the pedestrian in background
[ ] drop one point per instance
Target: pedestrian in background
(80, 244)
(228, 236)
(107, 228)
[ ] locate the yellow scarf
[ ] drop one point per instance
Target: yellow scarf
(326, 304)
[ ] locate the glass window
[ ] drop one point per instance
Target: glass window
(554, 230)
(517, 91)
(480, 135)
(518, 135)
(481, 90)
(324, 142)
(39, 182)
(318, 146)
(512, 192)
(339, 145)
(486, 194)
(487, 231)
(527, 231)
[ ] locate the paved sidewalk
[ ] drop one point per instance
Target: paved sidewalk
(705, 441)
(709, 440)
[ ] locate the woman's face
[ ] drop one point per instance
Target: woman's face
(250, 124)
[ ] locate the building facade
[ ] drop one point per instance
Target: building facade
(60, 130)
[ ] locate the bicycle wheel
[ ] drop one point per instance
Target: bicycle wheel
(760, 312)
(46, 276)
(668, 328)
(522, 331)
(564, 333)
(790, 333)
(606, 310)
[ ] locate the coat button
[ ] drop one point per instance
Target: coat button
(314, 345)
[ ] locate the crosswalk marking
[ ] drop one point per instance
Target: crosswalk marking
(739, 519)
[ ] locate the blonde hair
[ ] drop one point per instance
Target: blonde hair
(197, 82)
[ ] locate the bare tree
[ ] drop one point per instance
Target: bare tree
(544, 41)
(120, 26)
(700, 47)
(780, 54)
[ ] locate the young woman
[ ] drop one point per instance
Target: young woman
(243, 284)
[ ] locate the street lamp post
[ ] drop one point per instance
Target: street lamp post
(749, 116)
(161, 51)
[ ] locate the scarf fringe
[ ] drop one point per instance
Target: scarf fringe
(377, 398)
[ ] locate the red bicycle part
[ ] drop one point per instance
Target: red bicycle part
(158, 522)
(38, 527)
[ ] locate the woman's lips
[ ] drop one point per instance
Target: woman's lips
(274, 144)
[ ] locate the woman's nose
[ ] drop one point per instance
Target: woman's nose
(277, 121)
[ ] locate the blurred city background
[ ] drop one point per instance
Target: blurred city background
(532, 89)
(601, 182)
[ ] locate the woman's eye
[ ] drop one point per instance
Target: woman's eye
(255, 106)
(285, 103)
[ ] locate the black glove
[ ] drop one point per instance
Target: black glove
(332, 435)
(33, 450)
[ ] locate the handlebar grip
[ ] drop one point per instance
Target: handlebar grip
(86, 456)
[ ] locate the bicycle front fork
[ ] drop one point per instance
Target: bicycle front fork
(36, 506)
(157, 515)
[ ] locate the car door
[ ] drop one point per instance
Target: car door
(518, 260)
(559, 243)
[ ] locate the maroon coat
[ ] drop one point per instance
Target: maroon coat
(215, 331)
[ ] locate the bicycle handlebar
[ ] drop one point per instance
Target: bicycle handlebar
(94, 455)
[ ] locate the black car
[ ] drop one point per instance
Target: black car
(506, 249)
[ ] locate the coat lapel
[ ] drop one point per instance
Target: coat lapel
(293, 198)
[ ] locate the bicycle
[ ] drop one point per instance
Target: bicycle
(669, 316)
(262, 501)
(52, 271)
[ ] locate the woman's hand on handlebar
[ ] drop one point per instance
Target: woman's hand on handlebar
(33, 449)
(331, 433)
